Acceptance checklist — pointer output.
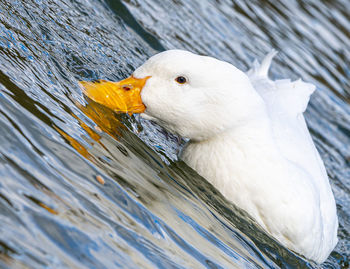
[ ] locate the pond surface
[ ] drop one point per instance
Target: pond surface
(81, 187)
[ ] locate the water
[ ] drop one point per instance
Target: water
(152, 210)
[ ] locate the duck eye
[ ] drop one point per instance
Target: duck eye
(181, 80)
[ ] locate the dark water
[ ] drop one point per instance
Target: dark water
(152, 211)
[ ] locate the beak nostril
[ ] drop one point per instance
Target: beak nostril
(127, 87)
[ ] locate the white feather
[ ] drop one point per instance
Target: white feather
(286, 101)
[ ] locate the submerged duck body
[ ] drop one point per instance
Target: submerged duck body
(248, 138)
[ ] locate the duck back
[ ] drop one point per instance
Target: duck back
(286, 101)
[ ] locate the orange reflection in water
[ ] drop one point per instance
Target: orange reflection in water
(105, 120)
(74, 143)
(49, 209)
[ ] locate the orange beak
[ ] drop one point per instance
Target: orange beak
(123, 96)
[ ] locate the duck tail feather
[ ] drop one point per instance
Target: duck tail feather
(261, 70)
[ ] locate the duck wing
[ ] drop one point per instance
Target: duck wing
(286, 101)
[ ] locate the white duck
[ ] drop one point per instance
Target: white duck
(248, 138)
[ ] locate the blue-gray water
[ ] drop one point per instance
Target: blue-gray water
(152, 211)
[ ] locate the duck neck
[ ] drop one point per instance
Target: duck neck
(256, 136)
(241, 152)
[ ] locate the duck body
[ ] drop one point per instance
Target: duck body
(248, 138)
(249, 169)
(271, 168)
(255, 180)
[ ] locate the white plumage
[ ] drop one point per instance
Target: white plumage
(248, 137)
(286, 101)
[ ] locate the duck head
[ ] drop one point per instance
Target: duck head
(191, 95)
